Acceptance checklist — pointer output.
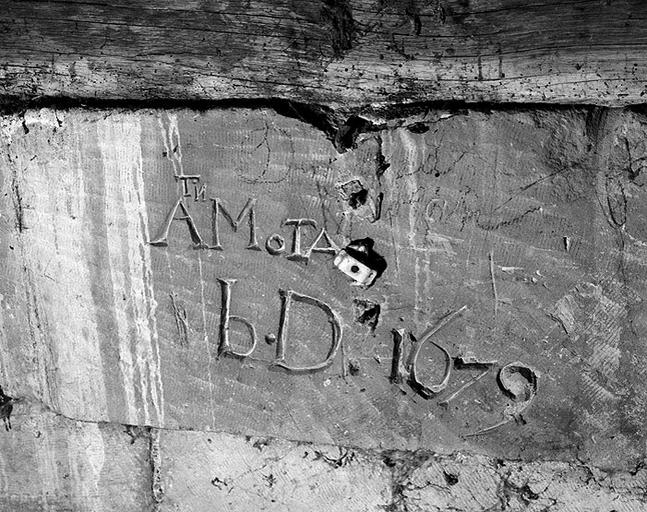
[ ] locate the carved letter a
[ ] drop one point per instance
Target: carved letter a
(161, 239)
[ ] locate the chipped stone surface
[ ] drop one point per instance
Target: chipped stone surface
(475, 483)
(52, 463)
(203, 471)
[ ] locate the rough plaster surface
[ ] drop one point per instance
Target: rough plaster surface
(52, 463)
(533, 220)
(49, 462)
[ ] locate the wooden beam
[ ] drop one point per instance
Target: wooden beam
(339, 53)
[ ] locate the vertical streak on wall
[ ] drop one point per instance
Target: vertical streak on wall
(117, 277)
(391, 199)
(45, 456)
(610, 311)
(57, 284)
(8, 126)
(6, 362)
(154, 359)
(412, 166)
(74, 329)
(86, 455)
(205, 331)
(169, 128)
(120, 144)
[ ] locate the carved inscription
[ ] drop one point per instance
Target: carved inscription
(275, 244)
(248, 209)
(225, 320)
(289, 296)
(516, 380)
(404, 367)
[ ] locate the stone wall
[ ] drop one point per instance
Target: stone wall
(516, 234)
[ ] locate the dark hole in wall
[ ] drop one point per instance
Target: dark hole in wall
(358, 199)
(354, 367)
(348, 132)
(367, 313)
(356, 193)
(450, 478)
(418, 128)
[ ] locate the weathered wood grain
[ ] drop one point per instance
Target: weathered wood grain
(339, 53)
